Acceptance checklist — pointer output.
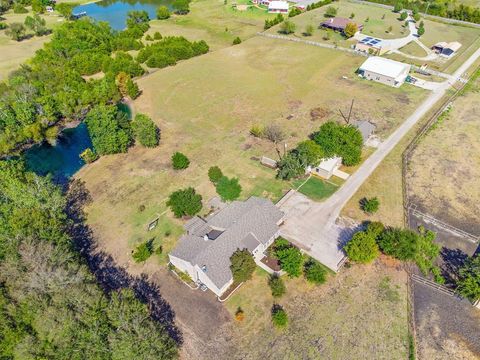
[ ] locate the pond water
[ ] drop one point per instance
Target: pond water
(61, 160)
(115, 11)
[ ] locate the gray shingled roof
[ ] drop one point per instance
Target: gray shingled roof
(245, 224)
(365, 127)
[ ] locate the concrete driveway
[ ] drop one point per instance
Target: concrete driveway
(302, 228)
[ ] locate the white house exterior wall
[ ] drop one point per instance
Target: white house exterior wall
(387, 80)
(184, 266)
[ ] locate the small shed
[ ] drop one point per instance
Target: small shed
(266, 161)
(446, 49)
(326, 168)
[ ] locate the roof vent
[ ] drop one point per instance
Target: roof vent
(204, 268)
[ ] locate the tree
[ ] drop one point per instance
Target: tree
(16, 31)
(163, 13)
(143, 251)
(275, 134)
(290, 167)
(277, 286)
(65, 9)
(287, 27)
(38, 6)
(109, 129)
(363, 247)
(370, 206)
(309, 30)
(398, 7)
(426, 250)
(19, 9)
(399, 243)
(180, 161)
(121, 80)
(237, 41)
(340, 140)
(309, 153)
(421, 31)
(291, 260)
(279, 316)
(468, 284)
(185, 202)
(314, 272)
(242, 265)
(403, 16)
(132, 89)
(331, 12)
(215, 174)
(228, 189)
(416, 17)
(350, 29)
(352, 15)
(145, 130)
(138, 18)
(89, 156)
(182, 7)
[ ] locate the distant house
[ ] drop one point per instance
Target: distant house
(278, 7)
(327, 167)
(204, 251)
(385, 71)
(446, 49)
(366, 128)
(339, 24)
(372, 46)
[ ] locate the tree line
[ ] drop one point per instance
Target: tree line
(51, 306)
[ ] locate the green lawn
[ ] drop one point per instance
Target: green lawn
(315, 188)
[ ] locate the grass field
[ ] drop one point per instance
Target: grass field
(444, 169)
(413, 49)
(205, 108)
(13, 53)
(315, 188)
(213, 21)
(359, 313)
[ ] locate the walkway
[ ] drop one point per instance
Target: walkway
(315, 224)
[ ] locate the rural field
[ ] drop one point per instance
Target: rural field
(13, 53)
(359, 313)
(213, 129)
(443, 171)
(213, 21)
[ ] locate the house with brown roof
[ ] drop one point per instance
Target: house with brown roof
(339, 24)
(204, 251)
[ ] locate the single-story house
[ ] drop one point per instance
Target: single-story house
(446, 49)
(326, 168)
(339, 24)
(280, 7)
(366, 128)
(204, 251)
(371, 45)
(385, 71)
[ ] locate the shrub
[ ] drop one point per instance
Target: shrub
(145, 130)
(352, 15)
(403, 16)
(294, 12)
(468, 284)
(16, 31)
(215, 174)
(276, 286)
(290, 259)
(370, 206)
(279, 316)
(3, 26)
(242, 265)
(157, 35)
(19, 9)
(362, 248)
(416, 17)
(257, 130)
(132, 89)
(228, 189)
(331, 12)
(182, 7)
(314, 272)
(237, 41)
(180, 161)
(185, 202)
(149, 37)
(290, 166)
(163, 13)
(421, 31)
(89, 156)
(309, 29)
(143, 251)
(36, 24)
(398, 7)
(350, 29)
(239, 315)
(287, 27)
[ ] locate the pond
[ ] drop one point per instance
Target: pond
(115, 11)
(61, 160)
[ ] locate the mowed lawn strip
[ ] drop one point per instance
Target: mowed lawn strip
(315, 188)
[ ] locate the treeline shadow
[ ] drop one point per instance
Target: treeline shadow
(108, 274)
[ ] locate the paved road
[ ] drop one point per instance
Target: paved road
(314, 225)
